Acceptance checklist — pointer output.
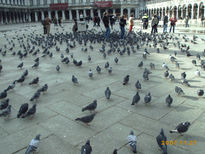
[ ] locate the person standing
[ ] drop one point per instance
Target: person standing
(173, 21)
(98, 21)
(60, 21)
(122, 27)
(55, 21)
(145, 20)
(165, 24)
(106, 24)
(187, 21)
(154, 24)
(47, 24)
(131, 22)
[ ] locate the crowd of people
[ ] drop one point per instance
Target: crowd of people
(110, 19)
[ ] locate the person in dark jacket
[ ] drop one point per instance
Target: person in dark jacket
(106, 24)
(122, 27)
(165, 23)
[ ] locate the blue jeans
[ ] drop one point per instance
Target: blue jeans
(165, 28)
(122, 34)
(172, 26)
(107, 33)
(187, 25)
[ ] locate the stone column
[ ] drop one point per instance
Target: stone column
(114, 11)
(56, 14)
(49, 14)
(29, 17)
(177, 12)
(63, 14)
(121, 11)
(2, 18)
(84, 13)
(192, 12)
(36, 16)
(42, 15)
(128, 13)
(92, 13)
(99, 13)
(77, 14)
(198, 10)
(70, 15)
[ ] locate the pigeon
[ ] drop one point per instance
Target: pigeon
(165, 66)
(44, 88)
(115, 151)
(138, 85)
(152, 66)
(161, 141)
(86, 119)
(6, 112)
(36, 60)
(186, 83)
(177, 64)
(33, 145)
(89, 58)
(198, 73)
(116, 60)
(90, 107)
(11, 86)
(74, 79)
(110, 70)
(3, 94)
(4, 104)
(90, 73)
(20, 65)
(183, 75)
(35, 65)
(194, 62)
(172, 59)
(140, 64)
(79, 63)
(200, 92)
(181, 128)
(171, 77)
(86, 149)
(23, 109)
(30, 111)
(35, 96)
(25, 73)
(98, 69)
(135, 99)
(169, 100)
(147, 98)
(34, 81)
(179, 90)
(107, 64)
(166, 74)
(126, 80)
(145, 76)
(1, 67)
(58, 68)
(107, 93)
(21, 79)
(132, 141)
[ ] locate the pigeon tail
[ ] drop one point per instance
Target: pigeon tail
(77, 119)
(173, 131)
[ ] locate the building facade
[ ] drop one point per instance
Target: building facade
(18, 11)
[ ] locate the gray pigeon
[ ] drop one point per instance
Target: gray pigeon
(86, 119)
(110, 70)
(126, 79)
(152, 66)
(74, 79)
(166, 74)
(116, 60)
(145, 76)
(107, 93)
(161, 141)
(58, 68)
(132, 141)
(90, 107)
(90, 73)
(7, 112)
(98, 69)
(138, 85)
(179, 90)
(30, 112)
(33, 145)
(147, 98)
(20, 65)
(140, 64)
(169, 100)
(86, 149)
(107, 64)
(136, 99)
(181, 128)
(89, 58)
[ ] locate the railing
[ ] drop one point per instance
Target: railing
(156, 1)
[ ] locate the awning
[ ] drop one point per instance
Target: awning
(103, 4)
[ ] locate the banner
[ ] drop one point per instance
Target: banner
(103, 4)
(59, 6)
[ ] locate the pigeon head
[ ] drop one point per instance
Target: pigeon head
(131, 132)
(88, 142)
(187, 124)
(162, 132)
(115, 151)
(37, 137)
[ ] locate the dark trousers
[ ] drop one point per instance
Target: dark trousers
(44, 30)
(154, 29)
(172, 26)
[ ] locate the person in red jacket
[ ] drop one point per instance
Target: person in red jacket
(173, 21)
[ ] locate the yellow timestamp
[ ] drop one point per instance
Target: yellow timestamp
(175, 142)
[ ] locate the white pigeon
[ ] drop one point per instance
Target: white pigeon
(165, 66)
(198, 72)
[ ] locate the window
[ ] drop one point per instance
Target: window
(87, 1)
(45, 2)
(73, 1)
(38, 2)
(31, 2)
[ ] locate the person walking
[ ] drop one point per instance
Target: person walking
(154, 24)
(165, 23)
(122, 24)
(131, 22)
(173, 21)
(187, 21)
(106, 24)
(47, 24)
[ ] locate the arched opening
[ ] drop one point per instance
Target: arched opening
(101, 13)
(96, 12)
(39, 16)
(87, 13)
(189, 11)
(175, 11)
(74, 14)
(201, 10)
(133, 12)
(179, 12)
(32, 16)
(195, 11)
(53, 15)
(66, 14)
(117, 12)
(125, 12)
(60, 14)
(184, 11)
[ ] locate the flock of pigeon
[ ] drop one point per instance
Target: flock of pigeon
(39, 46)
